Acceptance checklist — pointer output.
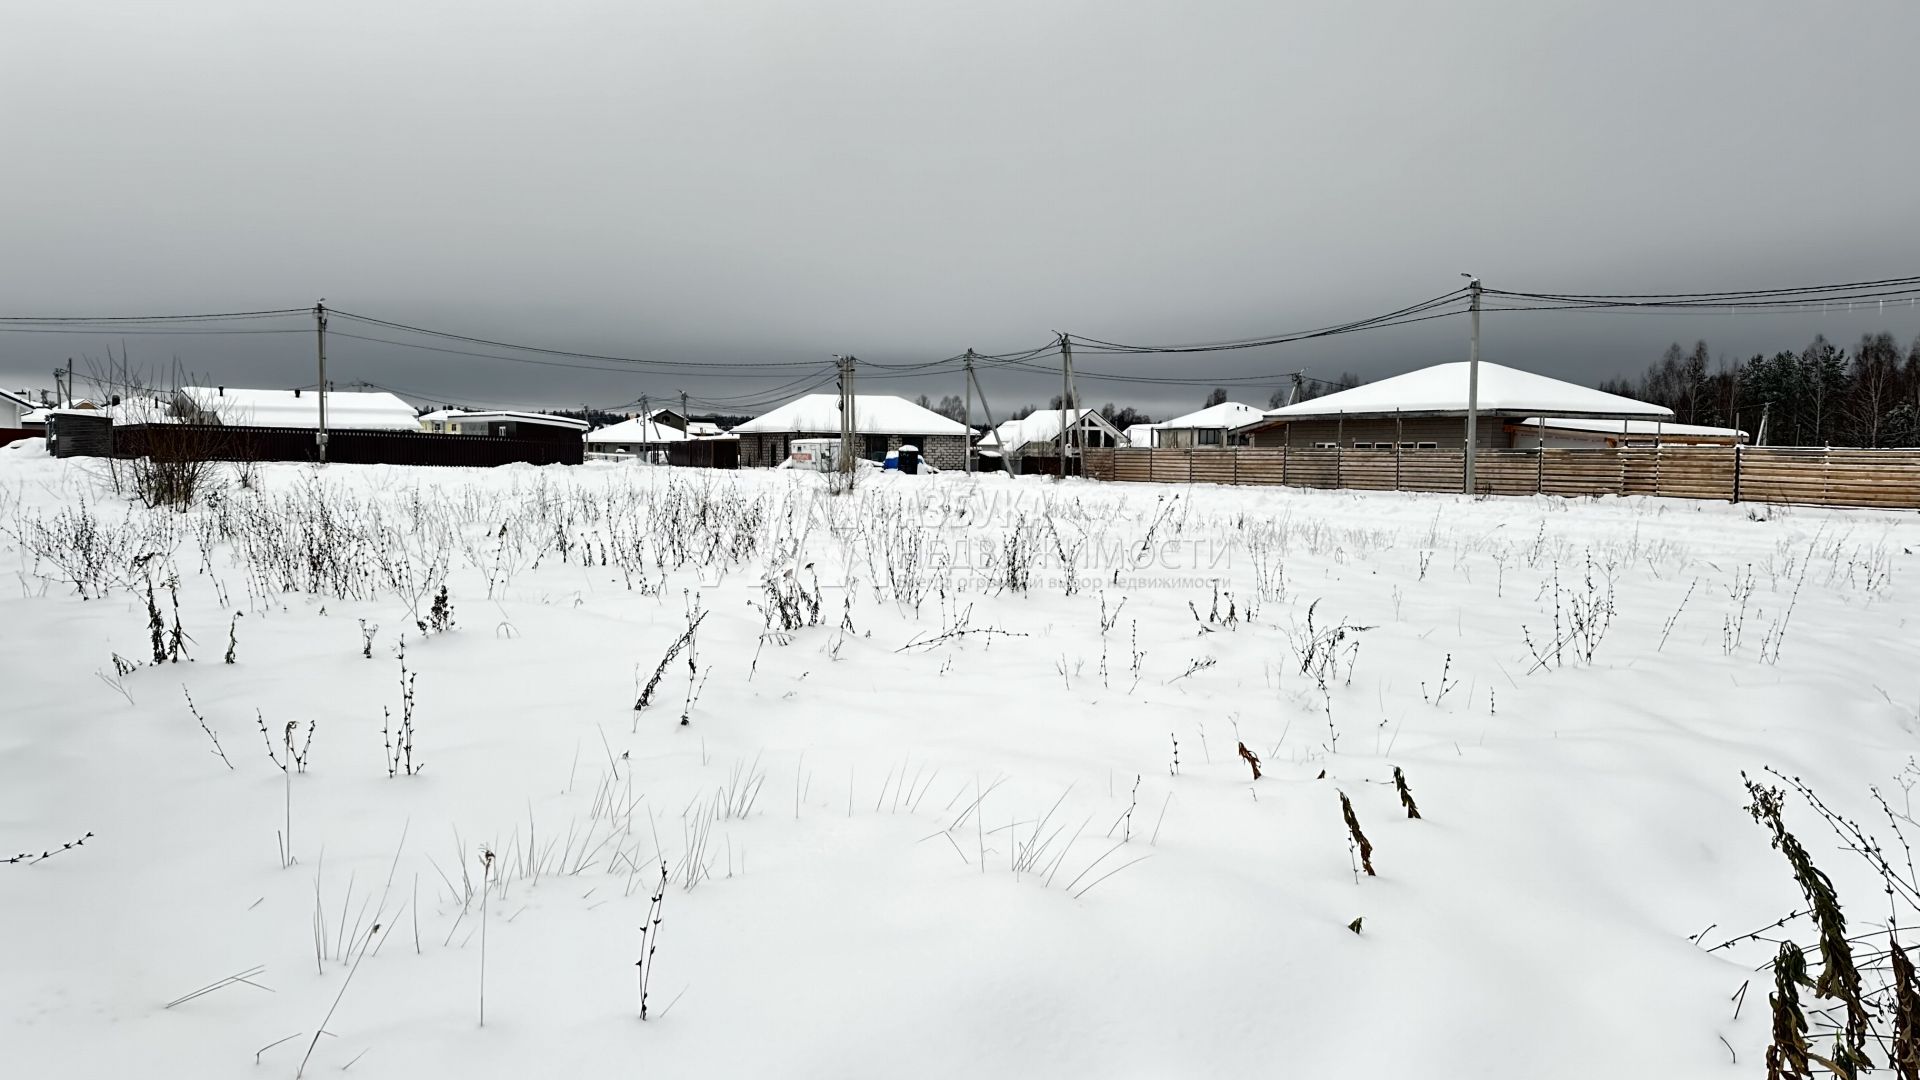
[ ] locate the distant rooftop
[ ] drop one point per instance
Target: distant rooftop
(346, 409)
(873, 414)
(1441, 390)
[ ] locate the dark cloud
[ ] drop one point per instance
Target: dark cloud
(761, 181)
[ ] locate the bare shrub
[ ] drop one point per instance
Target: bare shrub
(177, 464)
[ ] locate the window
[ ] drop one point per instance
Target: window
(1207, 436)
(1406, 446)
(876, 448)
(1326, 446)
(1358, 445)
(1429, 446)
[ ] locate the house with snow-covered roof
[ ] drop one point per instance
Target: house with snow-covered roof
(502, 424)
(1032, 443)
(638, 435)
(1211, 426)
(347, 410)
(1427, 409)
(13, 409)
(881, 422)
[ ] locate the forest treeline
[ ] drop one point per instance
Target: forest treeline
(1823, 395)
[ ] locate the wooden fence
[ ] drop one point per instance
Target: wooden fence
(220, 443)
(1888, 479)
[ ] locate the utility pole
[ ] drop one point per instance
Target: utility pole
(320, 341)
(846, 414)
(966, 447)
(686, 418)
(987, 408)
(1066, 397)
(1073, 391)
(1473, 383)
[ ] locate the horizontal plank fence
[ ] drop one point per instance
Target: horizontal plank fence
(1887, 479)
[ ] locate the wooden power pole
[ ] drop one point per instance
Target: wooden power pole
(320, 344)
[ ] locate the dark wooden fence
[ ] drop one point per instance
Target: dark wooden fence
(221, 443)
(1887, 479)
(705, 453)
(15, 434)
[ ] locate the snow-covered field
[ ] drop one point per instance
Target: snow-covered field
(923, 815)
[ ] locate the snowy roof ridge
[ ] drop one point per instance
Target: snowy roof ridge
(1227, 414)
(346, 409)
(639, 429)
(553, 419)
(1442, 389)
(873, 414)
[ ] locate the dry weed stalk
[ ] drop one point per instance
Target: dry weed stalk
(1839, 979)
(29, 858)
(1359, 838)
(1905, 1052)
(1787, 1053)
(650, 938)
(1253, 761)
(1406, 796)
(211, 737)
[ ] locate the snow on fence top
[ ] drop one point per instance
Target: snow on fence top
(1441, 390)
(362, 410)
(873, 414)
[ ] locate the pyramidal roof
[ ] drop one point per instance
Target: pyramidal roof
(873, 414)
(1441, 390)
(346, 409)
(640, 429)
(1227, 414)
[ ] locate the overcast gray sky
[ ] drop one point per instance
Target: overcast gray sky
(753, 181)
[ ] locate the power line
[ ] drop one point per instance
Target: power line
(566, 353)
(717, 371)
(1876, 283)
(814, 374)
(222, 315)
(1388, 318)
(124, 331)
